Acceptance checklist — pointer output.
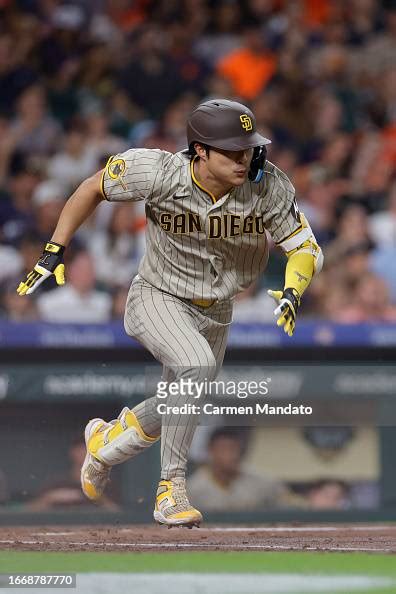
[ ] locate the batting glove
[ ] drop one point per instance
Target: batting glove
(51, 262)
(288, 303)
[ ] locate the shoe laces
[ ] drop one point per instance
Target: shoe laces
(97, 472)
(179, 494)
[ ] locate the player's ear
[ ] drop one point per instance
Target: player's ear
(201, 151)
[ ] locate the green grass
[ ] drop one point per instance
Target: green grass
(390, 590)
(204, 562)
(208, 562)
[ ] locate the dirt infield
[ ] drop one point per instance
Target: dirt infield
(368, 538)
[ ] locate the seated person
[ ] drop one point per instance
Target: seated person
(224, 485)
(328, 494)
(65, 491)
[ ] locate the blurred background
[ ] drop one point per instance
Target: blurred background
(85, 80)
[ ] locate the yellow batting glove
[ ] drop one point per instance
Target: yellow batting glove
(288, 302)
(50, 263)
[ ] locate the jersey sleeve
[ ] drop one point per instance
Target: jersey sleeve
(281, 215)
(130, 176)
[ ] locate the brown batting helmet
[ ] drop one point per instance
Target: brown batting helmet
(224, 124)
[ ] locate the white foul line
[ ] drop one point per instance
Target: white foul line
(297, 529)
(185, 545)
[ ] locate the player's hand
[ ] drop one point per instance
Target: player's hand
(288, 302)
(50, 262)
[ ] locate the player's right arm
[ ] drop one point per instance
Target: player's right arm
(77, 209)
(128, 176)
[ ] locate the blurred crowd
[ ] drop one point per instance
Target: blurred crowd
(81, 81)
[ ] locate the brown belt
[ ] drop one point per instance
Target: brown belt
(203, 302)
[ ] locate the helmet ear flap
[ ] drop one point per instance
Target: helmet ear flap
(259, 158)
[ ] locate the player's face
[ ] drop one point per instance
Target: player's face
(230, 167)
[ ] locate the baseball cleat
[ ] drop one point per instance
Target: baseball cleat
(172, 506)
(94, 474)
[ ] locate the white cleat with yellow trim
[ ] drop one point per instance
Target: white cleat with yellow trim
(172, 506)
(109, 444)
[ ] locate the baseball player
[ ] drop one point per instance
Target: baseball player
(208, 210)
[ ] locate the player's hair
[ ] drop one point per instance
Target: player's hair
(320, 483)
(192, 152)
(234, 433)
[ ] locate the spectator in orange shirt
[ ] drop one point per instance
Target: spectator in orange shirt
(249, 68)
(317, 12)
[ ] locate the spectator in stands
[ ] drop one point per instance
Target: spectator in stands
(253, 306)
(333, 304)
(16, 209)
(250, 68)
(153, 69)
(13, 309)
(78, 300)
(170, 134)
(36, 131)
(352, 230)
(382, 263)
(63, 92)
(383, 230)
(355, 264)
(65, 490)
(47, 201)
(11, 263)
(223, 485)
(382, 224)
(64, 37)
(117, 252)
(100, 141)
(328, 494)
(30, 249)
(8, 139)
(97, 73)
(15, 71)
(379, 52)
(190, 67)
(75, 162)
(222, 36)
(369, 302)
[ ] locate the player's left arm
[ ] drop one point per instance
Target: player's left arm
(291, 231)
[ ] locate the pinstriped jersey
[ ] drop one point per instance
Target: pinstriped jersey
(197, 247)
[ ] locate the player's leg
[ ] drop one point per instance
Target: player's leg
(178, 430)
(171, 330)
(112, 443)
(115, 442)
(177, 434)
(109, 444)
(216, 334)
